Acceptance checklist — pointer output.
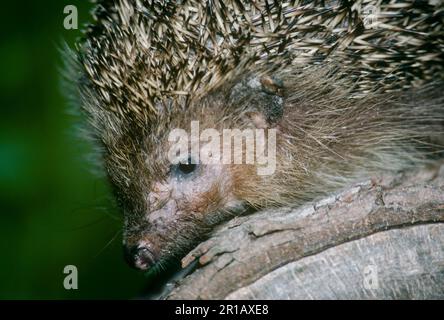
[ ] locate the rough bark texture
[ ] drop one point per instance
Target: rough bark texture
(378, 239)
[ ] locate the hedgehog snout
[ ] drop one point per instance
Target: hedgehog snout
(140, 256)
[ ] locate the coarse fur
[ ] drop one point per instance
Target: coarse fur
(355, 100)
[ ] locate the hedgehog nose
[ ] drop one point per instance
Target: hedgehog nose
(139, 257)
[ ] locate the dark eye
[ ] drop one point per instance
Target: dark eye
(186, 167)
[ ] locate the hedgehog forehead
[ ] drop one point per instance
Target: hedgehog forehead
(141, 52)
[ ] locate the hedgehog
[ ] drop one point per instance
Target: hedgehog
(350, 88)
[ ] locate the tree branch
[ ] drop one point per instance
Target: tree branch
(381, 238)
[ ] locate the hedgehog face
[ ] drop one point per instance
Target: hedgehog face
(176, 183)
(172, 204)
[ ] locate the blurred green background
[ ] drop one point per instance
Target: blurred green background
(53, 211)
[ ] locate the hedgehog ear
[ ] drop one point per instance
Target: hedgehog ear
(261, 98)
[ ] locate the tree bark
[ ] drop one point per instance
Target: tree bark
(378, 239)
